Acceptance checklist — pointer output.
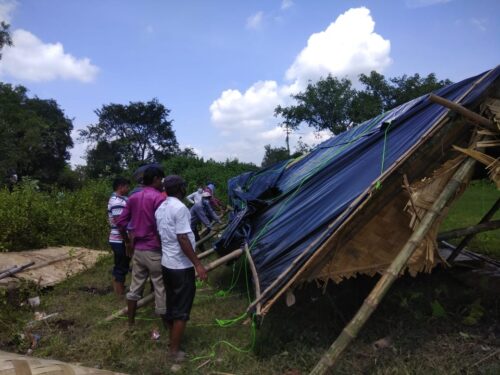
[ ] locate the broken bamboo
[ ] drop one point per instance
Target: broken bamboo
(472, 230)
(150, 297)
(329, 359)
(472, 116)
(206, 253)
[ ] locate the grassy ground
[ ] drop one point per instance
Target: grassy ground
(429, 325)
(469, 209)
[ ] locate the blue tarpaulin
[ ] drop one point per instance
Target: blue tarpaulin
(281, 210)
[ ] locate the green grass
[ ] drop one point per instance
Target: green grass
(434, 324)
(469, 209)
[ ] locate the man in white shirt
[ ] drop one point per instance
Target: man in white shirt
(178, 260)
(196, 196)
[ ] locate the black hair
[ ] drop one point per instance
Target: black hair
(150, 174)
(174, 185)
(120, 181)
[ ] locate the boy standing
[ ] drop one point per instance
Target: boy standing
(116, 204)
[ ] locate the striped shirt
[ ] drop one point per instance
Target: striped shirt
(116, 204)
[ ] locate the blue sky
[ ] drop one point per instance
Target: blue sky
(222, 66)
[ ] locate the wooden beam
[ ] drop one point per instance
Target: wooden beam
(349, 333)
(487, 217)
(472, 116)
(474, 229)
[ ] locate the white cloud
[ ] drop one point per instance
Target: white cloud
(6, 9)
(235, 110)
(285, 4)
(255, 21)
(480, 23)
(424, 3)
(33, 60)
(347, 47)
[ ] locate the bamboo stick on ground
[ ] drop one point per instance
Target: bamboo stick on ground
(15, 270)
(150, 297)
(329, 359)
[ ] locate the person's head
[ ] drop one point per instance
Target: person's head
(121, 185)
(152, 177)
(175, 186)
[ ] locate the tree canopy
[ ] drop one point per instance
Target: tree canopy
(36, 135)
(139, 132)
(5, 38)
(333, 104)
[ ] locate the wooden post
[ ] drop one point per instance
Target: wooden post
(472, 116)
(472, 230)
(150, 297)
(469, 237)
(329, 359)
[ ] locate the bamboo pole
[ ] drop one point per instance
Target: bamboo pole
(467, 239)
(329, 359)
(472, 230)
(15, 270)
(150, 297)
(206, 253)
(255, 277)
(472, 116)
(210, 235)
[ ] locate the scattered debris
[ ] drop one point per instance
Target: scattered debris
(34, 301)
(382, 343)
(155, 334)
(176, 368)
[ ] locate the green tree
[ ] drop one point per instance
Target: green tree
(323, 105)
(105, 159)
(142, 130)
(273, 155)
(36, 135)
(5, 38)
(332, 104)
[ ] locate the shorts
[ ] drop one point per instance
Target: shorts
(121, 260)
(180, 288)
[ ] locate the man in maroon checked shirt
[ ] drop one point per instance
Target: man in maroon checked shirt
(138, 218)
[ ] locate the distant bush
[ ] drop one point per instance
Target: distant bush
(197, 172)
(30, 218)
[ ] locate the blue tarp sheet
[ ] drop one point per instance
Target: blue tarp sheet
(281, 210)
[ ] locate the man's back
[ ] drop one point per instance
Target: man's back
(138, 218)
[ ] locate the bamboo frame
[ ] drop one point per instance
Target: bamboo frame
(255, 277)
(329, 359)
(321, 252)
